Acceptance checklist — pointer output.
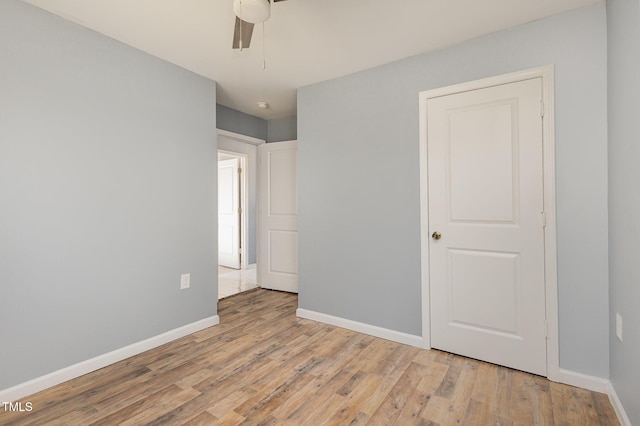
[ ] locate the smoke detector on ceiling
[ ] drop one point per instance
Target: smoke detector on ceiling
(263, 105)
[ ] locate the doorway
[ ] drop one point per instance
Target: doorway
(488, 220)
(237, 207)
(231, 201)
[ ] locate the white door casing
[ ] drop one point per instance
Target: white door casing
(486, 292)
(229, 213)
(277, 217)
(244, 147)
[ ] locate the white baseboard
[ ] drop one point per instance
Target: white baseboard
(580, 380)
(17, 392)
(617, 406)
(60, 376)
(372, 330)
(592, 383)
(596, 384)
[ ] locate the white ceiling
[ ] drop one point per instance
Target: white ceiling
(307, 41)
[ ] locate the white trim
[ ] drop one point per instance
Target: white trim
(617, 406)
(252, 154)
(244, 204)
(240, 137)
(567, 377)
(55, 378)
(580, 380)
(371, 330)
(595, 384)
(498, 80)
(424, 226)
(550, 250)
(551, 280)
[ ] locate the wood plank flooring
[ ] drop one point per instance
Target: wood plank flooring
(262, 365)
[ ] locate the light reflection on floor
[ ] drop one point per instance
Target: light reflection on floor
(234, 281)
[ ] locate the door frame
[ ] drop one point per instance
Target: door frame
(249, 140)
(546, 73)
(244, 200)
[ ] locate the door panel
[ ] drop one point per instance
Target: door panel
(466, 269)
(481, 186)
(278, 233)
(485, 181)
(282, 185)
(284, 248)
(228, 213)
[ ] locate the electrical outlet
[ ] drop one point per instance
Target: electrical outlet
(185, 281)
(619, 326)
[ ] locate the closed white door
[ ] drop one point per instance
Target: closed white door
(486, 225)
(278, 217)
(229, 213)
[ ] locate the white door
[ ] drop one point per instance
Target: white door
(485, 180)
(278, 217)
(229, 213)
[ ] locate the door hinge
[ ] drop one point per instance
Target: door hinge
(239, 210)
(541, 108)
(239, 170)
(543, 219)
(546, 329)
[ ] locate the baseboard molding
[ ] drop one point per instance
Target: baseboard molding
(580, 380)
(617, 406)
(22, 390)
(592, 383)
(568, 377)
(60, 376)
(372, 330)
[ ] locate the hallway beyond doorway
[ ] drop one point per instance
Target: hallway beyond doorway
(234, 281)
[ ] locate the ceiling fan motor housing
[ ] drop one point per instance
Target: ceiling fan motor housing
(253, 11)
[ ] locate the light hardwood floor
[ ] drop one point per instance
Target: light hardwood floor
(262, 365)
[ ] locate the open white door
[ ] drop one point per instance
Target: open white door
(229, 213)
(486, 224)
(277, 217)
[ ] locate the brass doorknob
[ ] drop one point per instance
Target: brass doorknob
(436, 235)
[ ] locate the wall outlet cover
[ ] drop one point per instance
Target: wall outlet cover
(185, 281)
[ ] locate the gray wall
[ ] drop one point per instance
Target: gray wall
(275, 130)
(239, 122)
(282, 129)
(107, 194)
(624, 198)
(359, 213)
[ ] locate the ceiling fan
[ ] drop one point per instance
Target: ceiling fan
(248, 13)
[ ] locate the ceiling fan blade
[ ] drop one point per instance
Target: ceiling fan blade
(247, 32)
